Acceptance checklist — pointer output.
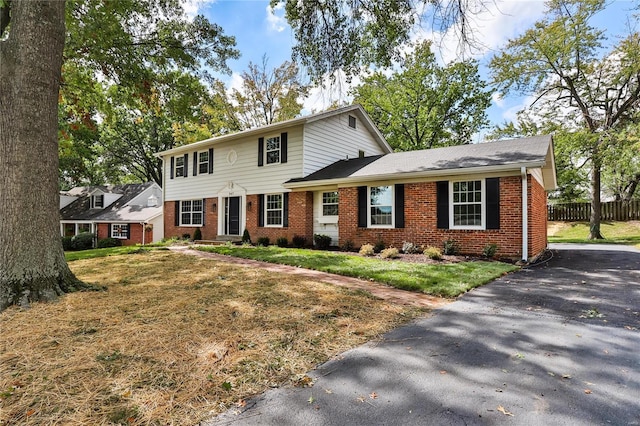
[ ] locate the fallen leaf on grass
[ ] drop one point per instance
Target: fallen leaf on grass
(31, 412)
(504, 411)
(241, 403)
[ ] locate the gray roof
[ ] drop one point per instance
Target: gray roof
(529, 152)
(118, 211)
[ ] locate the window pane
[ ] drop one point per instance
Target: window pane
(186, 206)
(273, 144)
(273, 157)
(197, 205)
(330, 210)
(330, 197)
(196, 219)
(381, 195)
(274, 217)
(84, 227)
(186, 218)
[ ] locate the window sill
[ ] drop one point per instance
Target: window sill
(328, 219)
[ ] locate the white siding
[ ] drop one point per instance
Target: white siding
(330, 140)
(322, 225)
(158, 229)
(244, 172)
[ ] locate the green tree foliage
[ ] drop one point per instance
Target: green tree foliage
(425, 105)
(560, 61)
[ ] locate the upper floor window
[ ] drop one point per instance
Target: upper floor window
(272, 151)
(203, 162)
(97, 201)
(191, 212)
(467, 207)
(179, 167)
(352, 122)
(381, 206)
(273, 209)
(330, 203)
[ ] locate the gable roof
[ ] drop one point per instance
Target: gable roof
(118, 211)
(531, 152)
(356, 109)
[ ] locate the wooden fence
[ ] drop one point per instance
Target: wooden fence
(579, 212)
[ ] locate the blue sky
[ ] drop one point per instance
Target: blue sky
(261, 31)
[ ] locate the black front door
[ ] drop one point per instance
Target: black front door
(232, 219)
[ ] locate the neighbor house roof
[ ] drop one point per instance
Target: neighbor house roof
(121, 210)
(356, 109)
(531, 152)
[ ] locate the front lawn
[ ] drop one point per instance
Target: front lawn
(173, 340)
(442, 279)
(103, 252)
(578, 232)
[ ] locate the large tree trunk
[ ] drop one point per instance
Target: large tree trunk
(32, 264)
(594, 223)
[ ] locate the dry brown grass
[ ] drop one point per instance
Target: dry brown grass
(174, 340)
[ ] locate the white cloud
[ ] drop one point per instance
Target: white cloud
(497, 99)
(193, 7)
(275, 18)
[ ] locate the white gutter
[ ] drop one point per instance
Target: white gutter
(525, 216)
(144, 231)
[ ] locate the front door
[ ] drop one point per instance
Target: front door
(232, 216)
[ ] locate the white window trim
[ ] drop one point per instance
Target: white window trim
(393, 207)
(266, 210)
(191, 225)
(119, 237)
(93, 201)
(483, 206)
(322, 204)
(201, 163)
(266, 151)
(175, 167)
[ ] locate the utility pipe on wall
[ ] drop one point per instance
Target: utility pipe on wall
(525, 216)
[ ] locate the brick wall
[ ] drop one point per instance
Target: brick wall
(135, 234)
(537, 217)
(209, 230)
(421, 227)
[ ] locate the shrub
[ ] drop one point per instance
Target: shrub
(246, 238)
(410, 248)
(450, 247)
(197, 234)
(367, 250)
(186, 236)
(282, 242)
(433, 253)
(299, 241)
(109, 242)
(263, 241)
(83, 241)
(490, 250)
(390, 253)
(379, 246)
(348, 246)
(67, 245)
(322, 242)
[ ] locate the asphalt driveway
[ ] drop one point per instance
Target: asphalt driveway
(556, 344)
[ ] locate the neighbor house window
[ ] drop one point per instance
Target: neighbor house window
(467, 204)
(273, 150)
(381, 206)
(191, 212)
(352, 122)
(119, 230)
(330, 203)
(273, 210)
(84, 227)
(97, 201)
(203, 162)
(179, 169)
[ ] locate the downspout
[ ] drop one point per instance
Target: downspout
(144, 231)
(525, 216)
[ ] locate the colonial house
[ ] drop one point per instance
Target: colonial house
(333, 173)
(131, 213)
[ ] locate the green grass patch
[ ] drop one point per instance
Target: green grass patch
(104, 252)
(578, 232)
(441, 279)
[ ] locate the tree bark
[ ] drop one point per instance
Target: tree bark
(32, 264)
(594, 222)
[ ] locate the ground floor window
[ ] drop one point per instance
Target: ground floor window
(467, 203)
(274, 209)
(191, 212)
(381, 206)
(330, 203)
(119, 230)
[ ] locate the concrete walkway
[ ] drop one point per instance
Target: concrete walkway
(379, 290)
(558, 344)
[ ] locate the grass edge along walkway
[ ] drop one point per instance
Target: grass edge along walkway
(441, 279)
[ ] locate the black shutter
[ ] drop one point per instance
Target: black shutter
(442, 204)
(108, 230)
(128, 231)
(492, 186)
(399, 205)
(195, 163)
(261, 210)
(285, 209)
(210, 160)
(173, 163)
(283, 148)
(362, 206)
(260, 152)
(177, 219)
(186, 165)
(204, 209)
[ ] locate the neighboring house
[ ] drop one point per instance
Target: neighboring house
(334, 174)
(131, 213)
